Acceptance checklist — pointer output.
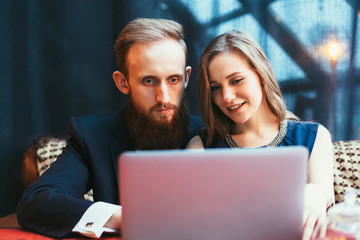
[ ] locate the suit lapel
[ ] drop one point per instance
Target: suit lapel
(119, 141)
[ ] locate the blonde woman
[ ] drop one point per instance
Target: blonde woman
(242, 107)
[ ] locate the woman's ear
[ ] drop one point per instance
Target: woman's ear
(187, 75)
(121, 82)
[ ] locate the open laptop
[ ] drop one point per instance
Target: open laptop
(213, 194)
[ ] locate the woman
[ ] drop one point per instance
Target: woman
(242, 106)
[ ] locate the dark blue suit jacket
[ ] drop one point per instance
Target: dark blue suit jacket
(54, 204)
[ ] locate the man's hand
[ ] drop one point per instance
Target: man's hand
(115, 221)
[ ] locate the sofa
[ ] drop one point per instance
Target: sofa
(346, 164)
(45, 150)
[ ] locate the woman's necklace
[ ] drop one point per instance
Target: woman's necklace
(274, 143)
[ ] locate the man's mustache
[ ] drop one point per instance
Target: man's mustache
(164, 106)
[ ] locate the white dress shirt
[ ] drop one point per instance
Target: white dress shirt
(92, 222)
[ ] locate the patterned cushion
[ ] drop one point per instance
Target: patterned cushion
(39, 158)
(346, 168)
(48, 149)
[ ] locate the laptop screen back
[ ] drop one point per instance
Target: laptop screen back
(213, 194)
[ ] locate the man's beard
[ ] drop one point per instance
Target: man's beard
(149, 134)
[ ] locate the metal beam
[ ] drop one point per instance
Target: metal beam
(288, 42)
(350, 81)
(297, 52)
(354, 4)
(224, 18)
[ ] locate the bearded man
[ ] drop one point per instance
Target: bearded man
(151, 56)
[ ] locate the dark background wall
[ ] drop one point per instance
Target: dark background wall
(57, 60)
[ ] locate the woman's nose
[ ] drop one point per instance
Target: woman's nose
(228, 95)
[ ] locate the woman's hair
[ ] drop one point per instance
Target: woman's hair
(146, 30)
(217, 123)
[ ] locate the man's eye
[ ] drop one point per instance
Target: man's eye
(149, 81)
(173, 80)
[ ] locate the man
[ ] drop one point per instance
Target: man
(151, 56)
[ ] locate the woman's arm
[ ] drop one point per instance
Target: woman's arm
(321, 164)
(319, 192)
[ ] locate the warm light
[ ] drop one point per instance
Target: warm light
(333, 50)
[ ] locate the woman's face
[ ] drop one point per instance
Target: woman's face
(235, 88)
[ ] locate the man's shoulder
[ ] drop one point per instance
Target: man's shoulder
(194, 127)
(94, 121)
(195, 118)
(195, 122)
(98, 116)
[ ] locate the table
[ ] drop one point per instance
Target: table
(21, 234)
(18, 233)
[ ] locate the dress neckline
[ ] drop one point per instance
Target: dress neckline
(274, 143)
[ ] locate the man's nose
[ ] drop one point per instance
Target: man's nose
(162, 92)
(228, 94)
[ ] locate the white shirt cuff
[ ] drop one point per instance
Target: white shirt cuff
(92, 222)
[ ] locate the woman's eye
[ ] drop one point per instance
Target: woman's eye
(236, 81)
(214, 88)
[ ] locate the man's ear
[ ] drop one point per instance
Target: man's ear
(187, 75)
(120, 82)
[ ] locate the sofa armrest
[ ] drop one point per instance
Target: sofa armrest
(346, 168)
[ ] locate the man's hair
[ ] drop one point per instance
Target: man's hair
(217, 123)
(146, 30)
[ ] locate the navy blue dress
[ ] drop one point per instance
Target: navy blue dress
(298, 133)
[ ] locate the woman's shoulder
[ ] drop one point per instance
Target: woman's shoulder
(301, 133)
(301, 126)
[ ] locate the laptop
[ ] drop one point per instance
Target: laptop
(213, 194)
